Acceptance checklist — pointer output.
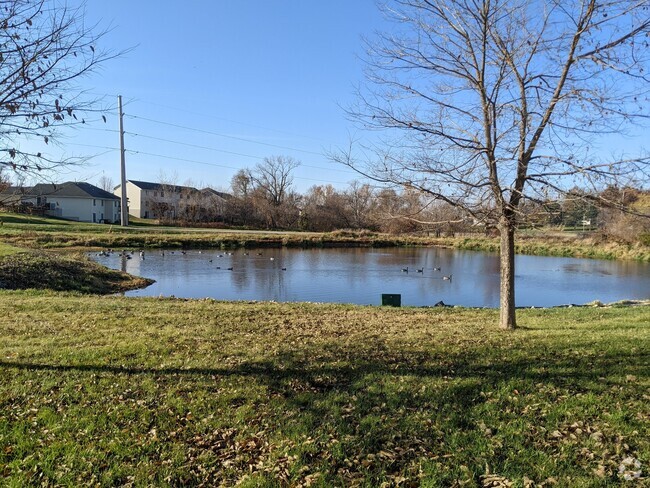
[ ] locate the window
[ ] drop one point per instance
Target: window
(155, 194)
(94, 203)
(162, 193)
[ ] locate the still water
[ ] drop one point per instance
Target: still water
(361, 275)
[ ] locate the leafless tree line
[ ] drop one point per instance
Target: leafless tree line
(264, 197)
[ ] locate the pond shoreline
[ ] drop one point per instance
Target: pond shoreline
(422, 276)
(526, 247)
(569, 245)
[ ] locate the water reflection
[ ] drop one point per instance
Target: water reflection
(362, 275)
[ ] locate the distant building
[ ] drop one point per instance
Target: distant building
(167, 201)
(78, 201)
(12, 196)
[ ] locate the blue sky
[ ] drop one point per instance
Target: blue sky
(211, 87)
(257, 78)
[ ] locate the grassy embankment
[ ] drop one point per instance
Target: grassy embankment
(45, 233)
(154, 392)
(25, 268)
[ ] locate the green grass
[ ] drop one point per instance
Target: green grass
(7, 250)
(163, 392)
(22, 269)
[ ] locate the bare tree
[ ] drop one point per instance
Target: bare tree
(106, 183)
(324, 209)
(241, 183)
(272, 181)
(360, 199)
(45, 47)
(4, 180)
(274, 177)
(486, 103)
(626, 226)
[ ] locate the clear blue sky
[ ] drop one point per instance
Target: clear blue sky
(274, 73)
(244, 79)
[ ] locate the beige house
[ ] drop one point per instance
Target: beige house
(167, 201)
(74, 201)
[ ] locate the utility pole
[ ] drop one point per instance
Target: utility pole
(124, 210)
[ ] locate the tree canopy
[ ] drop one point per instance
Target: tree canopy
(486, 104)
(45, 47)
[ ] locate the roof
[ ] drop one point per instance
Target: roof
(220, 194)
(13, 194)
(146, 185)
(71, 189)
(16, 190)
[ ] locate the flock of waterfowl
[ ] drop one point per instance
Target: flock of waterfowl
(128, 254)
(421, 270)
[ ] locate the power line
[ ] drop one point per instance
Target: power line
(246, 124)
(109, 148)
(209, 148)
(210, 116)
(203, 131)
(205, 163)
(222, 165)
(191, 145)
(216, 134)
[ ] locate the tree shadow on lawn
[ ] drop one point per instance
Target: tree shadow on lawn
(361, 398)
(349, 370)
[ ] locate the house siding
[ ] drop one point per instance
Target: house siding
(134, 198)
(80, 209)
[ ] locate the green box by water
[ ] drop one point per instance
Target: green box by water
(391, 299)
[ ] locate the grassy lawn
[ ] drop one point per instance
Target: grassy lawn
(163, 392)
(7, 250)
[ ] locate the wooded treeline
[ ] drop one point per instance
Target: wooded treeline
(268, 200)
(324, 208)
(265, 197)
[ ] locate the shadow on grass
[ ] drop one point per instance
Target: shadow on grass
(360, 396)
(26, 219)
(551, 368)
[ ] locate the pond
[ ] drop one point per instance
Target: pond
(361, 276)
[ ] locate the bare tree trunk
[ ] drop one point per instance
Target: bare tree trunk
(507, 319)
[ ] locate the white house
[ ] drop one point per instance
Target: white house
(75, 201)
(162, 200)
